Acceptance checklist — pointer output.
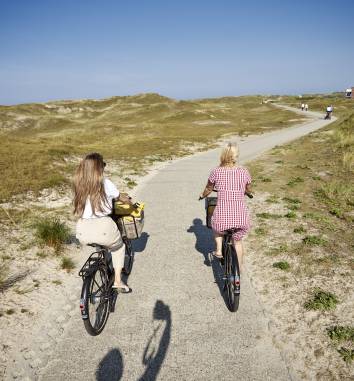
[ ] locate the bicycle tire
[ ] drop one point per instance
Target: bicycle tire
(129, 257)
(95, 292)
(232, 273)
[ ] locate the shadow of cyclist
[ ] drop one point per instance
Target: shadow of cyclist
(205, 244)
(110, 367)
(152, 357)
(204, 239)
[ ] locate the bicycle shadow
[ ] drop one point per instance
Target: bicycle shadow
(204, 239)
(110, 367)
(139, 244)
(205, 244)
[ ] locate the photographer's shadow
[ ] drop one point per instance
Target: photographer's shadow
(204, 239)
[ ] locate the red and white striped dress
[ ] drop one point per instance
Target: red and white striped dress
(231, 209)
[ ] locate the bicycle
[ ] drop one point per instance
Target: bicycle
(232, 276)
(98, 298)
(229, 261)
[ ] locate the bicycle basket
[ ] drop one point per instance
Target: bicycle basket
(210, 204)
(132, 226)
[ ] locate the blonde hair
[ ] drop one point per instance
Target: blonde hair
(229, 155)
(88, 184)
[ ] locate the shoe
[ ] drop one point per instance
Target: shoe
(216, 255)
(122, 289)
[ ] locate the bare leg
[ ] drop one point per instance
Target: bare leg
(118, 264)
(218, 243)
(239, 249)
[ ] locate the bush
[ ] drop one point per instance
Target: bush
(321, 300)
(52, 232)
(313, 240)
(299, 229)
(282, 265)
(340, 333)
(67, 263)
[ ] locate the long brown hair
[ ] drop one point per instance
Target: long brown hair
(88, 183)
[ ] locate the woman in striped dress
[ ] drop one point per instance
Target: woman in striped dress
(231, 183)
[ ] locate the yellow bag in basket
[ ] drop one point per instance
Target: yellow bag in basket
(137, 212)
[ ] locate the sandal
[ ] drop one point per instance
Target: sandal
(125, 289)
(216, 255)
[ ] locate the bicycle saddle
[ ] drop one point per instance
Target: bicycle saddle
(97, 246)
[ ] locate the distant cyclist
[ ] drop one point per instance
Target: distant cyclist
(329, 111)
(93, 196)
(231, 182)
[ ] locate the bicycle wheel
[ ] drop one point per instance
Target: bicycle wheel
(129, 257)
(95, 301)
(232, 275)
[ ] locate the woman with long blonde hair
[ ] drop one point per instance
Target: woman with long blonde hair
(93, 201)
(231, 182)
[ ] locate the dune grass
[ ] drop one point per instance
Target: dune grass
(41, 143)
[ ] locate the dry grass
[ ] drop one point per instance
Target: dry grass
(41, 142)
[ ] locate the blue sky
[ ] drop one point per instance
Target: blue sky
(182, 49)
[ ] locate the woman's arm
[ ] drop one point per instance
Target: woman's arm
(208, 189)
(248, 188)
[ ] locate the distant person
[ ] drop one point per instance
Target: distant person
(302, 106)
(329, 111)
(306, 107)
(232, 182)
(93, 202)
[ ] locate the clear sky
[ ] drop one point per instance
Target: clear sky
(182, 49)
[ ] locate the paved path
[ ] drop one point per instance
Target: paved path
(175, 325)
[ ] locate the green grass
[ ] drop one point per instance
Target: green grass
(260, 231)
(340, 333)
(38, 152)
(52, 232)
(268, 216)
(299, 230)
(347, 354)
(291, 215)
(282, 265)
(67, 263)
(321, 300)
(294, 181)
(313, 240)
(291, 200)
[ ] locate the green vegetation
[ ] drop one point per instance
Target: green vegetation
(41, 143)
(340, 333)
(10, 311)
(57, 282)
(67, 263)
(347, 354)
(268, 216)
(299, 230)
(52, 232)
(282, 265)
(313, 240)
(321, 300)
(260, 231)
(294, 181)
(291, 215)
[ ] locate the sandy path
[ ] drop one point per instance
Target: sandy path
(175, 325)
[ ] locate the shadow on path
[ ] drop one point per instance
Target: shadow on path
(139, 244)
(110, 367)
(204, 239)
(152, 357)
(205, 244)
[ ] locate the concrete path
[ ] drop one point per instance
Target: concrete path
(175, 325)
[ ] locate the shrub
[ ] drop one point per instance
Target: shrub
(67, 263)
(295, 180)
(52, 232)
(282, 265)
(291, 214)
(347, 354)
(313, 240)
(299, 229)
(341, 333)
(321, 300)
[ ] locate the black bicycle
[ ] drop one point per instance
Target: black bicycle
(232, 276)
(98, 298)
